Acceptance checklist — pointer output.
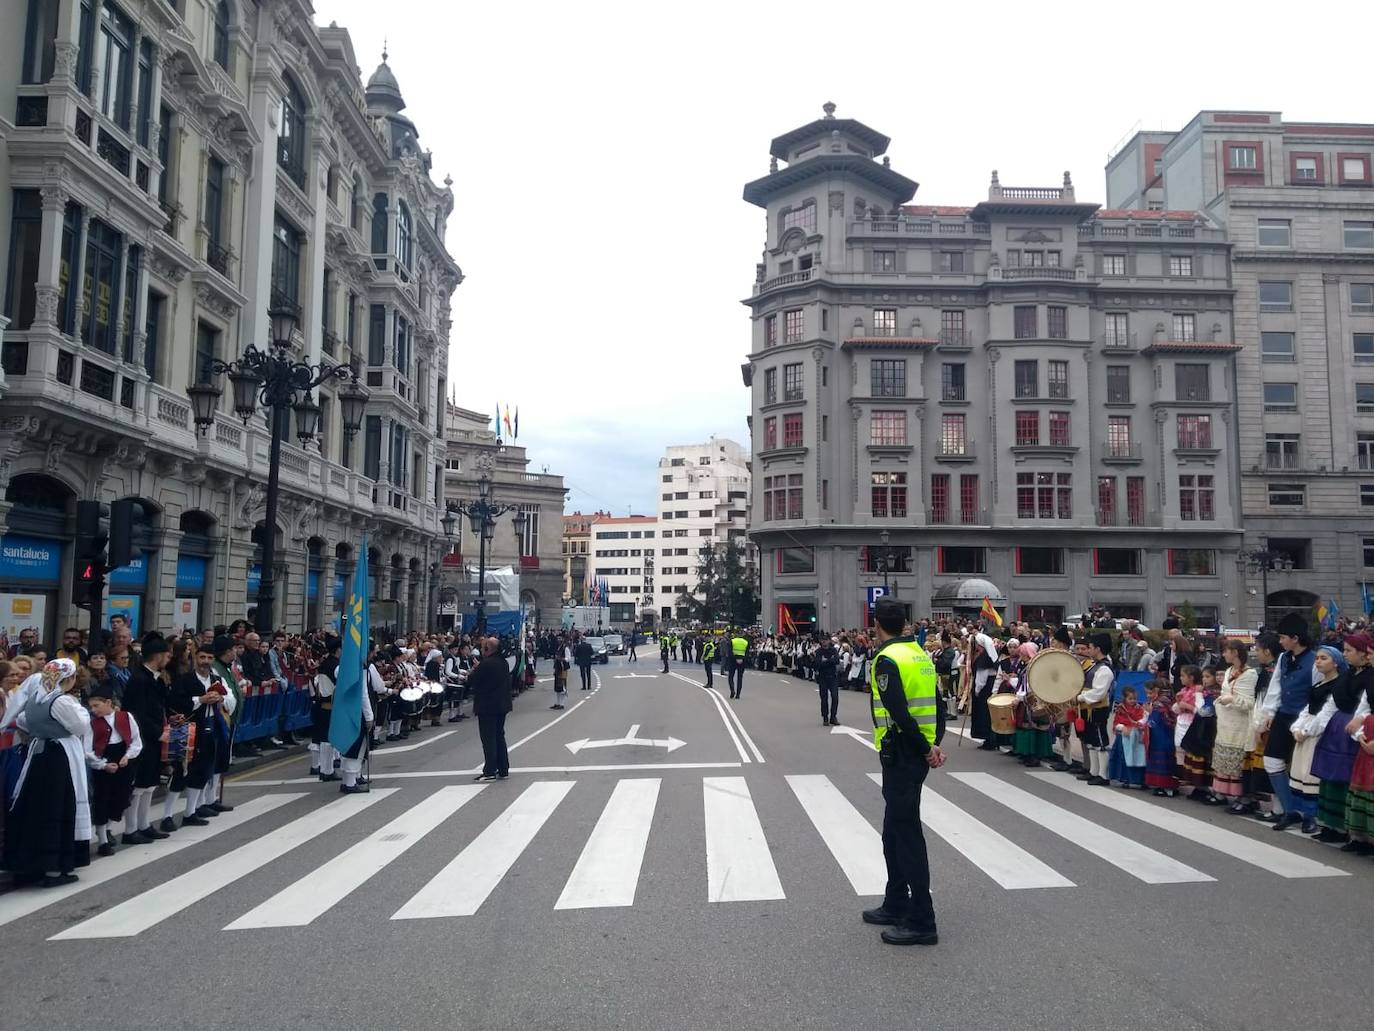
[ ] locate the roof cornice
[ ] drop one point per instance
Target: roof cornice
(760, 191)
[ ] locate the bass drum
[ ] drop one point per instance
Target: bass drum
(1001, 713)
(1054, 677)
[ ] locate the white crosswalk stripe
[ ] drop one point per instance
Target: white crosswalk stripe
(1004, 861)
(739, 867)
(607, 872)
(318, 891)
(1239, 846)
(739, 862)
(460, 888)
(157, 904)
(856, 846)
(1143, 863)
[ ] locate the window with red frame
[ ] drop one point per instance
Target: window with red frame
(1044, 495)
(792, 430)
(1195, 431)
(887, 428)
(1192, 562)
(1354, 169)
(889, 495)
(939, 497)
(1106, 500)
(1027, 429)
(968, 498)
(1059, 429)
(1135, 500)
(770, 432)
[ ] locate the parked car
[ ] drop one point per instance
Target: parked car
(599, 652)
(615, 644)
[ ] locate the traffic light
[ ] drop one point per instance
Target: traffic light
(89, 561)
(121, 532)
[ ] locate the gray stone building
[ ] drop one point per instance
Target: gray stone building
(174, 171)
(475, 451)
(1297, 202)
(1030, 390)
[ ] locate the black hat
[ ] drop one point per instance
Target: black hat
(332, 643)
(222, 644)
(155, 646)
(1102, 642)
(100, 691)
(1293, 625)
(1062, 635)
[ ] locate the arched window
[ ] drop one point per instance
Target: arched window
(405, 243)
(222, 34)
(379, 227)
(291, 133)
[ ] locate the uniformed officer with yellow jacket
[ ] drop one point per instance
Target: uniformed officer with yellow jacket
(905, 707)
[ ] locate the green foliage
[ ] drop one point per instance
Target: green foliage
(1187, 617)
(726, 589)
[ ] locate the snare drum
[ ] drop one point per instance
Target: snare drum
(1001, 711)
(413, 700)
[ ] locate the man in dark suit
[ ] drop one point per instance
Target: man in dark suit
(145, 700)
(582, 655)
(491, 700)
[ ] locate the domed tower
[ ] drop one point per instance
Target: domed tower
(385, 103)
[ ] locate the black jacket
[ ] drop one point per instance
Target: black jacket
(582, 654)
(490, 686)
(827, 661)
(181, 695)
(145, 699)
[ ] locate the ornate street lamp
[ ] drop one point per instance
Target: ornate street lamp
(1261, 560)
(274, 379)
(481, 514)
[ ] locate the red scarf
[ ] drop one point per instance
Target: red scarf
(1130, 714)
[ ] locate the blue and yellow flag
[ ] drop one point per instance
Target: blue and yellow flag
(346, 719)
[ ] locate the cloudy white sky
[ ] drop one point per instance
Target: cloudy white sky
(598, 153)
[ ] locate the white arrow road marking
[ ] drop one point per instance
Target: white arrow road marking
(634, 676)
(857, 735)
(670, 743)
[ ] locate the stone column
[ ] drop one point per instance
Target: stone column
(97, 57)
(78, 278)
(319, 229)
(54, 200)
(160, 598)
(265, 106)
(117, 314)
(326, 593)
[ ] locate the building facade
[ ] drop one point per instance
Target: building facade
(173, 171)
(623, 557)
(577, 540)
(1030, 390)
(474, 451)
(1297, 201)
(703, 494)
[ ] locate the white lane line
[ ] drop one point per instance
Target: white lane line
(607, 767)
(758, 756)
(393, 750)
(313, 895)
(720, 708)
(1140, 862)
(1238, 846)
(739, 867)
(460, 888)
(856, 846)
(607, 872)
(1003, 860)
(166, 900)
(16, 904)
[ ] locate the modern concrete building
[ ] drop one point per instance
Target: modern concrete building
(577, 539)
(1030, 390)
(703, 492)
(475, 451)
(1297, 201)
(623, 556)
(173, 171)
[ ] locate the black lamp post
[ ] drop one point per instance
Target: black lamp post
(1261, 560)
(481, 515)
(274, 379)
(885, 560)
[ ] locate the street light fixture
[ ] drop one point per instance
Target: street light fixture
(274, 379)
(1262, 560)
(481, 514)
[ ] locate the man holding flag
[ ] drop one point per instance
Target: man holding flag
(350, 721)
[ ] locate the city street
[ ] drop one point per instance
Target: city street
(691, 863)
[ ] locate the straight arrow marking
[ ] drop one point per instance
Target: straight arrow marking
(672, 744)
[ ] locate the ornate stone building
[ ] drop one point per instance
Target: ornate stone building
(173, 171)
(1030, 390)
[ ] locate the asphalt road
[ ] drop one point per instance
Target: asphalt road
(714, 885)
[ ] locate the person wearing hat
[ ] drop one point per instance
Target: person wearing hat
(113, 745)
(197, 697)
(321, 705)
(145, 701)
(1095, 702)
(1290, 688)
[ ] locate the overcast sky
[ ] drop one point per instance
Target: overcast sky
(598, 153)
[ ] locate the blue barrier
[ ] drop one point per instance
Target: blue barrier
(1131, 678)
(297, 705)
(261, 712)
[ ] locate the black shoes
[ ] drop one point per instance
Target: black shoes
(168, 825)
(356, 789)
(882, 915)
(555, 706)
(314, 771)
(106, 849)
(136, 838)
(195, 820)
(151, 833)
(221, 807)
(485, 776)
(57, 880)
(900, 935)
(1099, 781)
(1287, 820)
(205, 812)
(325, 777)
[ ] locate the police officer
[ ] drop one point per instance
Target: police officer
(905, 714)
(663, 650)
(708, 656)
(739, 647)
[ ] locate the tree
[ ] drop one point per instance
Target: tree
(725, 588)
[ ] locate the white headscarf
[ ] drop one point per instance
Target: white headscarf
(52, 677)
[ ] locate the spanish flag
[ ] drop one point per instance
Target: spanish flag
(788, 624)
(989, 613)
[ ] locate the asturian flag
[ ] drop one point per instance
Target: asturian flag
(346, 719)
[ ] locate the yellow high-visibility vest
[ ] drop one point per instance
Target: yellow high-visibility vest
(918, 685)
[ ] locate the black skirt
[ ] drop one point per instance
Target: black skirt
(1200, 736)
(1280, 744)
(40, 830)
(110, 792)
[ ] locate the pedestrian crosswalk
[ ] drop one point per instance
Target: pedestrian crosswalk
(751, 838)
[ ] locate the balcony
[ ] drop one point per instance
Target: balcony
(940, 515)
(1046, 272)
(174, 216)
(786, 279)
(1281, 461)
(1119, 453)
(1132, 516)
(1119, 342)
(330, 342)
(955, 340)
(960, 450)
(217, 257)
